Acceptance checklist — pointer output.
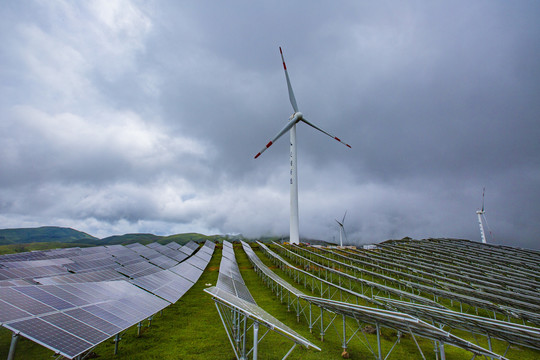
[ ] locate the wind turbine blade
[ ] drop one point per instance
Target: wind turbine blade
(291, 93)
(286, 128)
(340, 224)
(483, 193)
(343, 221)
(324, 132)
(487, 225)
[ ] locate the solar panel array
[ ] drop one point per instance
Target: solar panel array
(438, 278)
(399, 321)
(173, 283)
(71, 319)
(229, 278)
(79, 307)
(496, 278)
(423, 270)
(231, 291)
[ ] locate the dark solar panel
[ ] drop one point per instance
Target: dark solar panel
(173, 245)
(24, 302)
(76, 327)
(36, 293)
(77, 291)
(65, 295)
(50, 336)
(127, 315)
(163, 262)
(198, 262)
(107, 316)
(9, 312)
(188, 271)
(95, 321)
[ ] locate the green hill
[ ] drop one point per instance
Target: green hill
(16, 240)
(45, 234)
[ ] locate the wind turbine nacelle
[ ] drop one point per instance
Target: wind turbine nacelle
(297, 115)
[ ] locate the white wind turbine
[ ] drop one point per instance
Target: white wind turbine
(481, 214)
(295, 118)
(342, 229)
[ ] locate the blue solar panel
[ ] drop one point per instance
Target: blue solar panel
(36, 293)
(76, 327)
(50, 336)
(95, 321)
(24, 302)
(9, 312)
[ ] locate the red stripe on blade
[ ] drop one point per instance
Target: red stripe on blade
(256, 156)
(269, 144)
(335, 137)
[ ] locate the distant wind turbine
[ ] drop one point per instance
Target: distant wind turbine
(481, 215)
(295, 118)
(342, 229)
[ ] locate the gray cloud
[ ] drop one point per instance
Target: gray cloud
(131, 116)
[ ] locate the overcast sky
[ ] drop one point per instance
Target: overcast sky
(144, 116)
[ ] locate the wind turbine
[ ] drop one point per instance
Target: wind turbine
(295, 118)
(342, 229)
(481, 215)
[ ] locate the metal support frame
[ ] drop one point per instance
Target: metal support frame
(117, 339)
(13, 346)
(237, 326)
(299, 277)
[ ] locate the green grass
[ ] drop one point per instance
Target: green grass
(192, 329)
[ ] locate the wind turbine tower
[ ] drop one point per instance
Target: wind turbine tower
(480, 214)
(342, 229)
(295, 118)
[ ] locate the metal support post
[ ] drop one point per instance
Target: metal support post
(255, 339)
(116, 341)
(244, 339)
(489, 344)
(322, 325)
(378, 328)
(310, 323)
(443, 355)
(344, 354)
(14, 340)
(139, 326)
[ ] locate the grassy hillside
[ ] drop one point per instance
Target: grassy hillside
(22, 238)
(44, 234)
(130, 238)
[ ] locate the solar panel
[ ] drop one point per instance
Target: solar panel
(76, 327)
(94, 321)
(261, 266)
(9, 312)
(164, 262)
(165, 284)
(104, 314)
(229, 278)
(36, 293)
(255, 312)
(173, 245)
(77, 290)
(398, 321)
(50, 336)
(23, 302)
(65, 295)
(511, 332)
(188, 271)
